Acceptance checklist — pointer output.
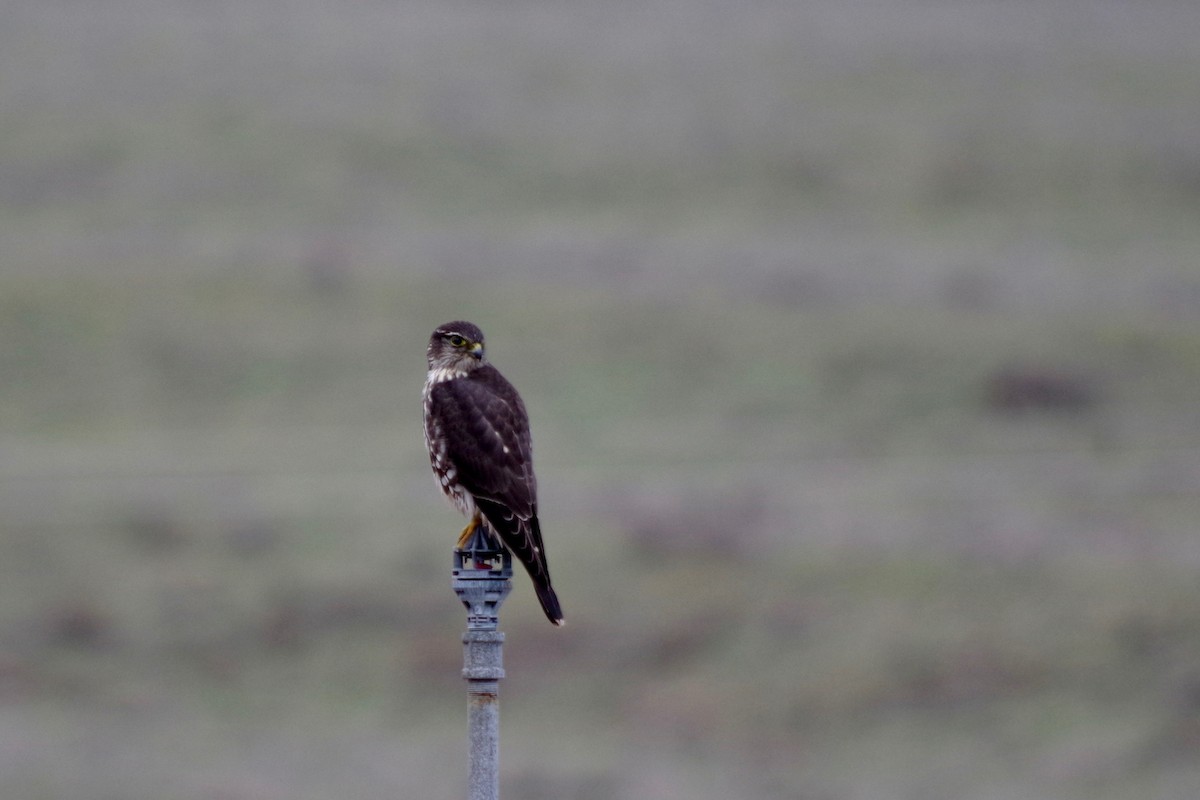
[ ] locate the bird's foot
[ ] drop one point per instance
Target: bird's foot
(465, 537)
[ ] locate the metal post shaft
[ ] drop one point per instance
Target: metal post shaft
(482, 579)
(482, 671)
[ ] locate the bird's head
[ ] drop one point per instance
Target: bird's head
(455, 348)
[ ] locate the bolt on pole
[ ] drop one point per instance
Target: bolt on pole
(482, 574)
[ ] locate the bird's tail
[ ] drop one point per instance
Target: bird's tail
(524, 539)
(534, 559)
(548, 599)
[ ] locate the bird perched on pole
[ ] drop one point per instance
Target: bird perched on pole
(477, 435)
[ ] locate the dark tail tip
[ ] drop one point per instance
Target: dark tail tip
(549, 600)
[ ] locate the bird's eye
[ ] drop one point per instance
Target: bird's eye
(457, 341)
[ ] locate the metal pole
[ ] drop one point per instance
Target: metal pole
(482, 579)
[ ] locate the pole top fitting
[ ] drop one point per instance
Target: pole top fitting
(482, 574)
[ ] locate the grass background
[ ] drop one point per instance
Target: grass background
(861, 344)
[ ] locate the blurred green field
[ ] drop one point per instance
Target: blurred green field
(835, 564)
(860, 340)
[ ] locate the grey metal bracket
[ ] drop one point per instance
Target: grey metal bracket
(482, 576)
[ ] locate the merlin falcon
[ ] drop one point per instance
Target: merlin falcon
(477, 435)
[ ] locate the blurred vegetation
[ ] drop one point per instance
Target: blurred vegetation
(860, 343)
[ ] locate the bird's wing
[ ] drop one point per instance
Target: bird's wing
(487, 439)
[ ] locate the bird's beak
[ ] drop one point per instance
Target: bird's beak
(477, 351)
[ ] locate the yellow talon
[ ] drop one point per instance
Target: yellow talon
(467, 533)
